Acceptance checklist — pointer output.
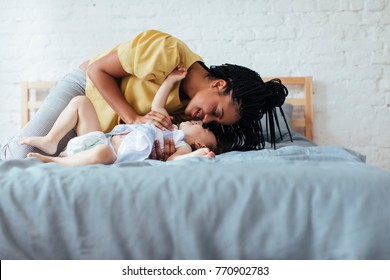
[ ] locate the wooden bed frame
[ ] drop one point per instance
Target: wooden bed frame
(303, 103)
(301, 122)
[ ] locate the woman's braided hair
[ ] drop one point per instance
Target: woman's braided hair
(256, 98)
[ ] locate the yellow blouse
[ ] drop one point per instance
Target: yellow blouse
(148, 59)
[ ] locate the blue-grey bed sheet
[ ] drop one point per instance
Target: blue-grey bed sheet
(299, 201)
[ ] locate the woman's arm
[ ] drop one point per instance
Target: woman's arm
(104, 74)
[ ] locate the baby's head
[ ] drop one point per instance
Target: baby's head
(197, 136)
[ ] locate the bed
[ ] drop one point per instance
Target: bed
(298, 201)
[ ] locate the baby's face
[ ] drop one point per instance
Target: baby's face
(195, 133)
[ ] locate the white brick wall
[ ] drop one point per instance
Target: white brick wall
(343, 44)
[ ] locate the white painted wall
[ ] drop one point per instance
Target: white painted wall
(343, 44)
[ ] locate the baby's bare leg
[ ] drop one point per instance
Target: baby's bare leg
(100, 154)
(41, 142)
(41, 157)
(79, 114)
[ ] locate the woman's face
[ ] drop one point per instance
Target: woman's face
(209, 106)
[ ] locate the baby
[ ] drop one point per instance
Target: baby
(126, 142)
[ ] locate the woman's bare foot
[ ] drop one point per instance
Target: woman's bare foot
(43, 143)
(41, 157)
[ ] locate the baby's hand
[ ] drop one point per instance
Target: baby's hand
(204, 152)
(178, 74)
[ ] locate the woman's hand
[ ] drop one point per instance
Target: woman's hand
(156, 118)
(169, 149)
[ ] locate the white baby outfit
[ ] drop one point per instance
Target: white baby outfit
(137, 144)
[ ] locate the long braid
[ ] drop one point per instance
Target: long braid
(255, 99)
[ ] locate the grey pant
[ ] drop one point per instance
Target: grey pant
(72, 85)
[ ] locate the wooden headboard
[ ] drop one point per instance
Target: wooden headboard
(33, 94)
(300, 97)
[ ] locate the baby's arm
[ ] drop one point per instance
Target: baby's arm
(185, 152)
(160, 99)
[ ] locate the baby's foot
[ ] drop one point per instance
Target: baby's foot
(42, 143)
(41, 157)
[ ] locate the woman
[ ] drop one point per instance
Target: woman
(122, 81)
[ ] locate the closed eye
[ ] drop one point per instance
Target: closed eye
(218, 113)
